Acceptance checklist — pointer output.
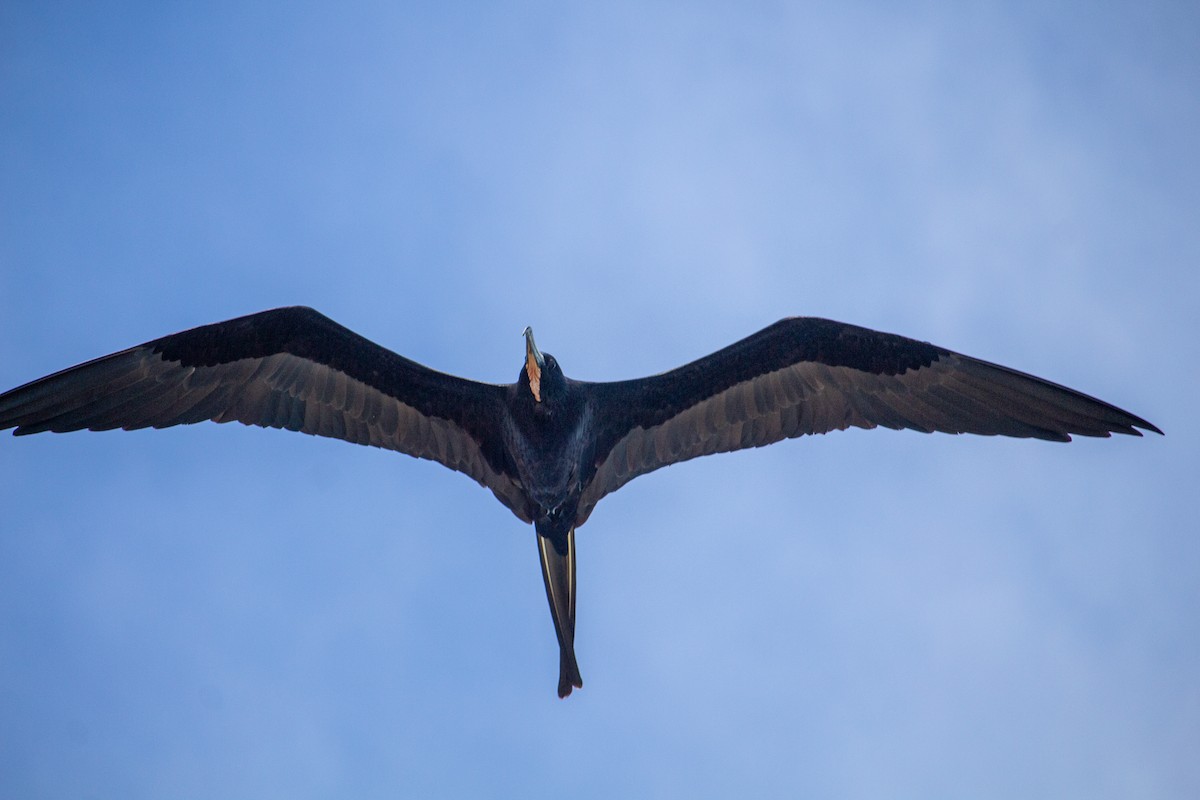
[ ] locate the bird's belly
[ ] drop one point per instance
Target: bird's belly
(549, 482)
(548, 456)
(550, 476)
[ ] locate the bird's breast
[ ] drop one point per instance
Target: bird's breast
(548, 451)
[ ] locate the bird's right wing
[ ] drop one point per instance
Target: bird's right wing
(806, 375)
(288, 368)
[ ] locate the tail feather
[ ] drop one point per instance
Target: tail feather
(558, 571)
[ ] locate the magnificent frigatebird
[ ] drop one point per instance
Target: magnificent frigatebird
(547, 446)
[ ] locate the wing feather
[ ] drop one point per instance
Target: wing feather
(805, 376)
(289, 368)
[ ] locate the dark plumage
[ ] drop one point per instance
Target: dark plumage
(547, 446)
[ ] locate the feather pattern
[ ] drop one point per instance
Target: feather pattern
(290, 368)
(806, 375)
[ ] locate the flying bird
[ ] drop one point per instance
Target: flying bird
(547, 446)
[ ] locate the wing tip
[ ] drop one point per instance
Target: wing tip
(1123, 428)
(1130, 427)
(1144, 425)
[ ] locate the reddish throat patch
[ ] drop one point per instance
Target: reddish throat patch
(535, 376)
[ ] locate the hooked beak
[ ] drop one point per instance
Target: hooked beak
(534, 361)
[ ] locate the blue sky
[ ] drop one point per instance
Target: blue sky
(224, 612)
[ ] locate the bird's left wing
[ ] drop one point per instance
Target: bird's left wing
(806, 375)
(290, 368)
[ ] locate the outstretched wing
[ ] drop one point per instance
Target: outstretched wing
(288, 368)
(806, 375)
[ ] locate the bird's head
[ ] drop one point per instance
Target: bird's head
(542, 376)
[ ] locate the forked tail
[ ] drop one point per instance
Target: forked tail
(557, 554)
